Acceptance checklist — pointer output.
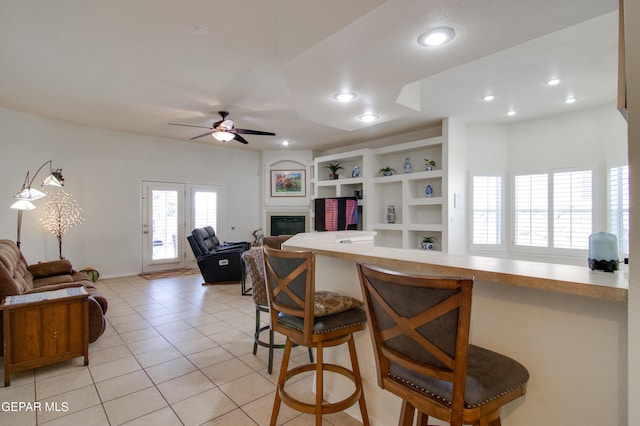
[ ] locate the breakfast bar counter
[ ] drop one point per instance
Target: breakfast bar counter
(566, 324)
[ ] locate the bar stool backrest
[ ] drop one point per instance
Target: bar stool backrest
(291, 288)
(419, 325)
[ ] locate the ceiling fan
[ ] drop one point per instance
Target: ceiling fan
(224, 130)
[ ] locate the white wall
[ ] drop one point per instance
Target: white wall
(104, 170)
(632, 40)
(456, 185)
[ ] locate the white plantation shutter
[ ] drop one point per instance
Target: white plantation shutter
(486, 207)
(205, 207)
(619, 206)
(164, 226)
(572, 209)
(531, 210)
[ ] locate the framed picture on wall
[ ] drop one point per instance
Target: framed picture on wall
(288, 183)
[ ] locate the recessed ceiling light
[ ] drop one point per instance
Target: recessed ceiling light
(436, 37)
(511, 113)
(553, 82)
(345, 96)
(368, 118)
(285, 143)
(570, 100)
(489, 98)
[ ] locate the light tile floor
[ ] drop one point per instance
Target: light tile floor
(174, 353)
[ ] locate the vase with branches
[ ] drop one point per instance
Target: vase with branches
(61, 213)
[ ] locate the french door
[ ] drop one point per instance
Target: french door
(168, 215)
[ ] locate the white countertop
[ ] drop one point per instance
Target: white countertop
(567, 279)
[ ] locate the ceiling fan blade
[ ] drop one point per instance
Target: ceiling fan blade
(216, 124)
(199, 136)
(189, 125)
(254, 132)
(241, 139)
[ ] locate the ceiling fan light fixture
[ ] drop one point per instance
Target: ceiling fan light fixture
(436, 37)
(223, 136)
(345, 97)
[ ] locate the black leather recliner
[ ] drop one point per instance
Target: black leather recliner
(218, 263)
(207, 242)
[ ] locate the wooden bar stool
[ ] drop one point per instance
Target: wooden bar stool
(254, 262)
(310, 319)
(420, 331)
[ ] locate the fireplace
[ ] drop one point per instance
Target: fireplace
(287, 225)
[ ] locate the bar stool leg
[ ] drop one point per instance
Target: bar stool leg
(423, 419)
(358, 380)
(281, 379)
(256, 336)
(271, 338)
(406, 414)
(319, 383)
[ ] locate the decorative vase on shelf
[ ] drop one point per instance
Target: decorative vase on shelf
(427, 243)
(428, 191)
(407, 165)
(429, 164)
(356, 172)
(391, 214)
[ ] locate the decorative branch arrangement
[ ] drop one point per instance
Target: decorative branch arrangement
(61, 213)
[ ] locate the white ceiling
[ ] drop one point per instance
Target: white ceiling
(135, 66)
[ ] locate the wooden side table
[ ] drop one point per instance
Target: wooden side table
(44, 328)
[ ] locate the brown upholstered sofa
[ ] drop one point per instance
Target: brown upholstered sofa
(16, 277)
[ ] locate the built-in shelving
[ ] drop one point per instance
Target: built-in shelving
(417, 215)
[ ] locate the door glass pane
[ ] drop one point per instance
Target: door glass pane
(164, 224)
(205, 208)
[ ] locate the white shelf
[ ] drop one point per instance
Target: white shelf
(425, 201)
(426, 227)
(388, 226)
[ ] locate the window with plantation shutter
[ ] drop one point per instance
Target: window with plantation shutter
(554, 209)
(205, 209)
(486, 205)
(531, 210)
(572, 209)
(619, 206)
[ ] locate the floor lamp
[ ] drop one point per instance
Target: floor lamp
(26, 196)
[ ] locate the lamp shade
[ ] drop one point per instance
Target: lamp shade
(223, 136)
(51, 180)
(22, 205)
(29, 194)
